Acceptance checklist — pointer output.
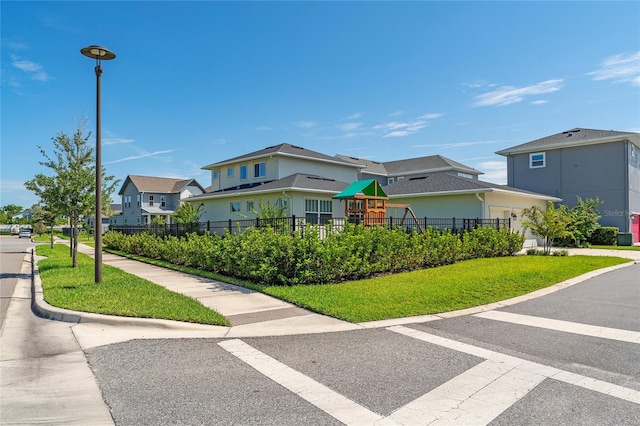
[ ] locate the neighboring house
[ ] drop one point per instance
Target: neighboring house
(25, 214)
(443, 195)
(587, 163)
(305, 182)
(145, 197)
(389, 172)
(115, 213)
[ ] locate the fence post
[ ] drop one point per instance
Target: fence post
(230, 229)
(293, 223)
(209, 227)
(497, 224)
(453, 224)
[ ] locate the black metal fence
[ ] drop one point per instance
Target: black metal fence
(293, 223)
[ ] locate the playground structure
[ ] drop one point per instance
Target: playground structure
(366, 202)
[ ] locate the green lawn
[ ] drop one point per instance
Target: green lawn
(443, 289)
(632, 248)
(119, 294)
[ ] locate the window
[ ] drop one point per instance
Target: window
(390, 181)
(150, 200)
(249, 205)
(138, 199)
(537, 160)
(318, 211)
(216, 174)
(243, 172)
(163, 200)
(283, 202)
(235, 206)
(229, 171)
(260, 170)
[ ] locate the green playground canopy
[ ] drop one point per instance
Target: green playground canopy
(367, 188)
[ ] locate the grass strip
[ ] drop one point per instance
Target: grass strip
(120, 293)
(428, 291)
(443, 289)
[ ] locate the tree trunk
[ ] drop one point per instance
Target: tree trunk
(74, 242)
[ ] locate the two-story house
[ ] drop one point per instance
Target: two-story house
(388, 172)
(145, 197)
(305, 181)
(586, 163)
(298, 179)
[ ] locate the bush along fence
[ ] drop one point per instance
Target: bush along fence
(292, 224)
(264, 256)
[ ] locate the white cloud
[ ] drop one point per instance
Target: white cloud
(17, 45)
(495, 171)
(397, 134)
(33, 69)
(346, 127)
(115, 141)
(137, 157)
(622, 68)
(396, 114)
(397, 129)
(507, 95)
(431, 116)
(355, 116)
(539, 102)
(306, 124)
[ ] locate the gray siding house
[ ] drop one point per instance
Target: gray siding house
(145, 197)
(587, 163)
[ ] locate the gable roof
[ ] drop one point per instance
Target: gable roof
(158, 184)
(369, 187)
(298, 181)
(285, 150)
(573, 137)
(430, 163)
(441, 183)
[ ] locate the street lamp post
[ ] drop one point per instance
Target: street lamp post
(98, 53)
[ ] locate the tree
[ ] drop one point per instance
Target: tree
(9, 211)
(70, 189)
(549, 224)
(585, 217)
(187, 215)
(270, 211)
(43, 218)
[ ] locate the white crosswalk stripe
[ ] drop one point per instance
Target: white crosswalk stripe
(565, 326)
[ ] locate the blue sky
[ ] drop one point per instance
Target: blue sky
(199, 82)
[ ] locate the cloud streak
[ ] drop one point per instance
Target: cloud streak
(507, 95)
(622, 68)
(137, 157)
(32, 69)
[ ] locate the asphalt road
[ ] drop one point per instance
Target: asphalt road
(12, 252)
(198, 381)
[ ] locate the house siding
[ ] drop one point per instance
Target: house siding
(589, 171)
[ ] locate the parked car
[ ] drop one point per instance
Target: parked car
(25, 233)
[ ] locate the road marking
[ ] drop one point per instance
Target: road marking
(566, 326)
(600, 386)
(329, 401)
(477, 396)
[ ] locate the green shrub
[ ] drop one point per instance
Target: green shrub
(604, 236)
(264, 256)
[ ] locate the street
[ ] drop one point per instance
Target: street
(570, 357)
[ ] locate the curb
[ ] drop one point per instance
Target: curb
(44, 310)
(41, 308)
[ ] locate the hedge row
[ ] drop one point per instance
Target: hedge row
(604, 236)
(266, 257)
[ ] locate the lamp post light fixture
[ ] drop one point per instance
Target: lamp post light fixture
(98, 53)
